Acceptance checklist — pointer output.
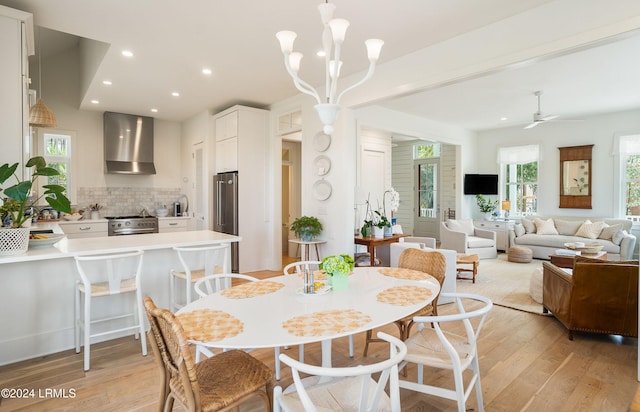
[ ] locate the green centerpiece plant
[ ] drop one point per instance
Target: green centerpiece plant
(306, 227)
(337, 269)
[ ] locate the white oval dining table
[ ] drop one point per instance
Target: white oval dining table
(265, 319)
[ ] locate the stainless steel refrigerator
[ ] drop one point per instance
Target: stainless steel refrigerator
(225, 212)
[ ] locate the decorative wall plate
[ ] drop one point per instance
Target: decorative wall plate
(322, 164)
(322, 190)
(321, 142)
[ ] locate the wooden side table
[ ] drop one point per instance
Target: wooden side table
(473, 260)
(371, 243)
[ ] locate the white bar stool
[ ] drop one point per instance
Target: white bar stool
(102, 276)
(198, 262)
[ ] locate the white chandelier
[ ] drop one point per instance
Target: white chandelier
(332, 38)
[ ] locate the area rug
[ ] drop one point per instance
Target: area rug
(505, 283)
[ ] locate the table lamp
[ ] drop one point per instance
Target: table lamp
(506, 206)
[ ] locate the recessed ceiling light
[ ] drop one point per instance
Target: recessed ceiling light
(321, 53)
(504, 118)
(95, 101)
(127, 53)
(206, 71)
(175, 94)
(107, 82)
(154, 110)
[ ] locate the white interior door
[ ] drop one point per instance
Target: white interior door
(427, 178)
(374, 173)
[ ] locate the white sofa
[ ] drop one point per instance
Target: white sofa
(463, 237)
(449, 285)
(614, 235)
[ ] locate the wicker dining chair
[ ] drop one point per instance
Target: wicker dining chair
(431, 262)
(219, 383)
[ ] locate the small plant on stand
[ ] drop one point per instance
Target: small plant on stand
(306, 228)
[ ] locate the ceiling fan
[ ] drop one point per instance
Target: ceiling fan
(539, 118)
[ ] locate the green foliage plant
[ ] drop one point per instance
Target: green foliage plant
(337, 264)
(486, 205)
(17, 199)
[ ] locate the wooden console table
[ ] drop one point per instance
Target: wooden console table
(372, 242)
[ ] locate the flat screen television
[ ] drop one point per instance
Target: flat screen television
(475, 184)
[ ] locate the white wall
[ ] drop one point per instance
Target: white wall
(61, 90)
(197, 129)
(596, 130)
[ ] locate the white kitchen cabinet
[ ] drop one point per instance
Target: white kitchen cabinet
(227, 126)
(227, 155)
(16, 43)
(248, 154)
(501, 227)
(172, 224)
(85, 228)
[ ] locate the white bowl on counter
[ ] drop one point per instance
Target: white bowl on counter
(73, 217)
(162, 212)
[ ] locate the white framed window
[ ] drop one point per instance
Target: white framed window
(519, 178)
(629, 170)
(56, 148)
(426, 151)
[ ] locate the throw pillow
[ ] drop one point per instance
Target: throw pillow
(462, 225)
(545, 227)
(618, 236)
(568, 227)
(529, 227)
(519, 229)
(590, 230)
(608, 231)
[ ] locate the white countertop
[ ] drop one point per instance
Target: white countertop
(112, 244)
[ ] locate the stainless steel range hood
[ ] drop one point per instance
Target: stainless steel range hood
(128, 144)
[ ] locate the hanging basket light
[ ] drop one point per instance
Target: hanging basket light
(41, 116)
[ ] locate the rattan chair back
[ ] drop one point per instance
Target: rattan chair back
(229, 378)
(431, 262)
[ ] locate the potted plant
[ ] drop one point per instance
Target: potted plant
(486, 205)
(382, 226)
(14, 236)
(337, 269)
(306, 227)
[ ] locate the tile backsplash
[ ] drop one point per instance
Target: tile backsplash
(122, 201)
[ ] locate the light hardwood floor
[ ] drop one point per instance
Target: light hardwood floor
(527, 364)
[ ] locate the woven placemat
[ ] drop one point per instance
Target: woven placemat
(401, 273)
(207, 325)
(251, 289)
(404, 295)
(327, 322)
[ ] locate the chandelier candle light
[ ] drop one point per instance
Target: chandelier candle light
(332, 38)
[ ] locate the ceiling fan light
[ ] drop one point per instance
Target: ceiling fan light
(286, 38)
(326, 12)
(339, 29)
(294, 61)
(41, 116)
(374, 46)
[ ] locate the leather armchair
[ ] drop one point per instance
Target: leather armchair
(598, 297)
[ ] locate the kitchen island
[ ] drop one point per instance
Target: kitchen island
(37, 293)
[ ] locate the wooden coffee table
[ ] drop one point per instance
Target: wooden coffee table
(563, 261)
